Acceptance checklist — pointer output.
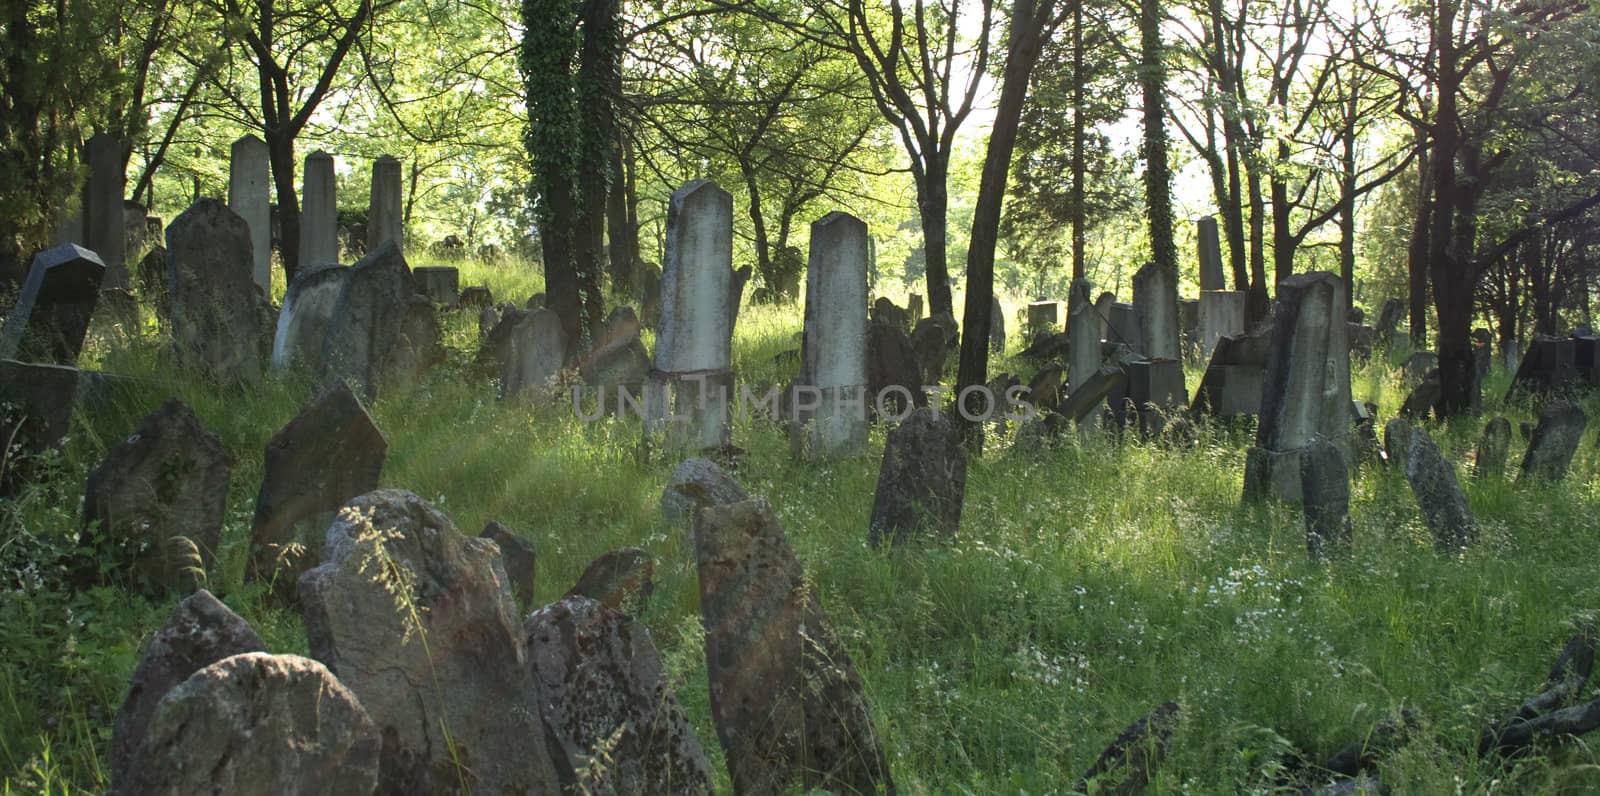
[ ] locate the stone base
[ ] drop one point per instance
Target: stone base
(1272, 474)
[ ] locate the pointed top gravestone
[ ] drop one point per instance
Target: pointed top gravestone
(385, 219)
(694, 338)
(213, 298)
(1211, 277)
(319, 212)
(52, 314)
(1155, 302)
(835, 343)
(1084, 329)
(249, 196)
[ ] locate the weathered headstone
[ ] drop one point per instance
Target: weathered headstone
(621, 580)
(1551, 366)
(35, 413)
(368, 321)
(608, 703)
(1155, 386)
(913, 309)
(619, 361)
(894, 379)
(200, 632)
(1555, 440)
(741, 277)
(520, 558)
(319, 212)
(1232, 384)
(1389, 319)
(696, 484)
(1210, 244)
(537, 351)
(1102, 308)
(249, 197)
(257, 724)
(104, 218)
(329, 454)
(647, 284)
(834, 352)
(885, 311)
(787, 703)
(160, 496)
(438, 282)
(213, 296)
(1397, 442)
(1325, 490)
(307, 313)
(692, 377)
(1124, 323)
(385, 210)
(1092, 394)
(1043, 316)
(1493, 449)
(1155, 302)
(1083, 329)
(151, 277)
(922, 481)
(418, 349)
(1306, 392)
(928, 340)
(419, 622)
(1419, 365)
(1433, 482)
(997, 326)
(50, 318)
(476, 296)
(1222, 314)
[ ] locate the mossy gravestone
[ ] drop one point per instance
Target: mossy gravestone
(922, 481)
(1555, 441)
(213, 295)
(51, 317)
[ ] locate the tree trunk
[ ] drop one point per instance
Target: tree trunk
(759, 223)
(622, 230)
(933, 202)
(1347, 206)
(280, 153)
(1447, 265)
(1417, 252)
(1079, 171)
(1258, 303)
(1283, 245)
(1158, 172)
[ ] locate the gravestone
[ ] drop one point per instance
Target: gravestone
(200, 632)
(834, 351)
(520, 558)
(319, 212)
(104, 216)
(1493, 449)
(417, 350)
(648, 290)
(1210, 245)
(419, 622)
(787, 703)
(51, 316)
(329, 454)
(1325, 490)
(1155, 301)
(1155, 386)
(1232, 384)
(1419, 365)
(696, 484)
(1551, 366)
(1083, 332)
(621, 580)
(386, 210)
(1222, 314)
(741, 278)
(608, 703)
(214, 298)
(1420, 402)
(1189, 325)
(476, 296)
(997, 326)
(913, 309)
(439, 283)
(537, 350)
(1102, 309)
(1124, 326)
(894, 379)
(1397, 442)
(1555, 440)
(35, 414)
(159, 497)
(1433, 482)
(1042, 316)
(1306, 391)
(307, 314)
(922, 482)
(1092, 394)
(1044, 389)
(1389, 319)
(885, 311)
(249, 196)
(929, 341)
(618, 361)
(258, 724)
(692, 376)
(368, 321)
(151, 276)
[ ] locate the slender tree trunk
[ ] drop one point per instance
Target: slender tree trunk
(933, 202)
(1447, 265)
(280, 153)
(759, 223)
(1347, 208)
(1417, 251)
(1158, 172)
(622, 231)
(1283, 245)
(1079, 171)
(1258, 303)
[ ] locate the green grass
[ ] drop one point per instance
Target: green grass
(1090, 583)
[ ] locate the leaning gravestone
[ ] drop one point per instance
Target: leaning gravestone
(249, 197)
(1221, 314)
(1232, 384)
(1155, 303)
(1555, 441)
(692, 376)
(328, 454)
(319, 212)
(1306, 392)
(1433, 482)
(1325, 489)
(200, 632)
(213, 295)
(736, 287)
(608, 703)
(922, 481)
(696, 484)
(1493, 448)
(368, 321)
(834, 352)
(258, 724)
(519, 556)
(52, 313)
(416, 350)
(787, 703)
(307, 313)
(536, 353)
(1397, 442)
(618, 361)
(160, 496)
(1394, 311)
(885, 311)
(419, 622)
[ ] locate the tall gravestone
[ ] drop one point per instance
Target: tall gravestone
(1124, 323)
(307, 312)
(692, 381)
(834, 356)
(212, 294)
(52, 313)
(365, 334)
(1306, 387)
(1155, 303)
(248, 196)
(1083, 332)
(104, 219)
(319, 212)
(1555, 441)
(1222, 314)
(385, 219)
(1211, 277)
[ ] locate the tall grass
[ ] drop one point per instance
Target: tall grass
(1091, 582)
